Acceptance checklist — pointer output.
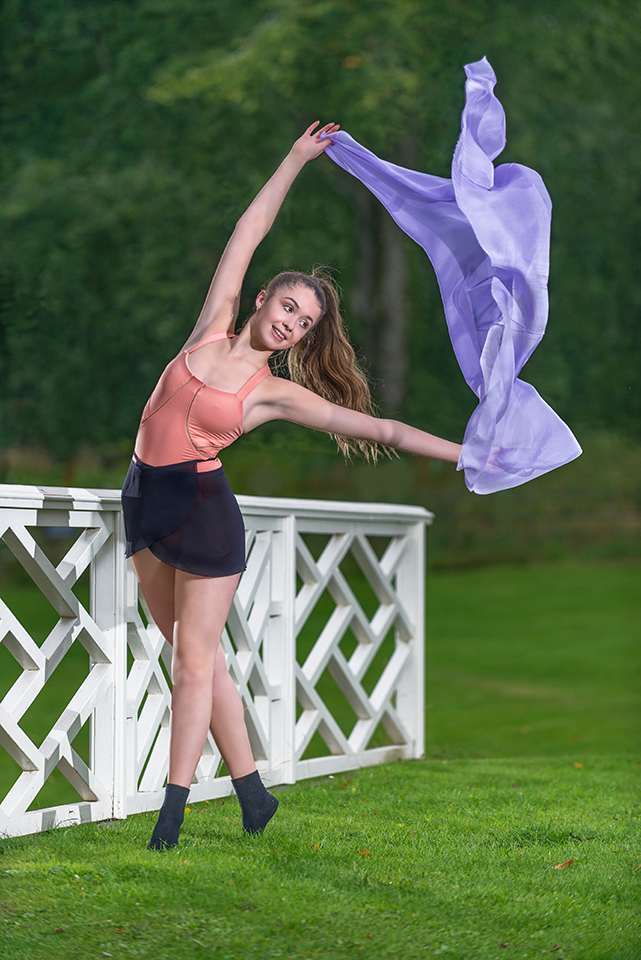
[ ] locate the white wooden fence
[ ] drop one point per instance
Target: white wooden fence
(298, 620)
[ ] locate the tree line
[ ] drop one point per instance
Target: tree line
(134, 133)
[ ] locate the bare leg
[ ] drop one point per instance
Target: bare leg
(201, 608)
(192, 612)
(228, 722)
(227, 717)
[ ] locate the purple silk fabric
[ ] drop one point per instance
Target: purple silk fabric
(487, 233)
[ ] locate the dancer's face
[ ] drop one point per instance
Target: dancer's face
(285, 318)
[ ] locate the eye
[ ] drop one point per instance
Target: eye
(303, 324)
(288, 307)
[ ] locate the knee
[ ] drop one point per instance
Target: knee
(192, 668)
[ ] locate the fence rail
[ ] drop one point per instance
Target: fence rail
(330, 608)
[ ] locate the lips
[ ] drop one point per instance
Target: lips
(278, 335)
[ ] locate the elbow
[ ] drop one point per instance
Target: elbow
(389, 433)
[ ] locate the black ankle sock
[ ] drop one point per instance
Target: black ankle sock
(170, 818)
(257, 805)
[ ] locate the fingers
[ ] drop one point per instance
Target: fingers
(328, 128)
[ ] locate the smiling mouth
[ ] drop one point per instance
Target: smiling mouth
(278, 335)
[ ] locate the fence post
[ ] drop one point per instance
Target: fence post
(108, 758)
(280, 652)
(410, 697)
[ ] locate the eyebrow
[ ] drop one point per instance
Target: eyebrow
(306, 317)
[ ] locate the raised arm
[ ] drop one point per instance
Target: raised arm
(220, 309)
(283, 400)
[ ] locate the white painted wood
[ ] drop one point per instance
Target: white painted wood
(129, 707)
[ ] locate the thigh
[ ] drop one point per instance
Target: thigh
(157, 582)
(184, 604)
(201, 605)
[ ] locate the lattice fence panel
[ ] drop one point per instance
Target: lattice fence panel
(75, 625)
(355, 606)
(395, 613)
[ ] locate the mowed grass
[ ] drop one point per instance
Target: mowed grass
(464, 859)
(534, 660)
(533, 762)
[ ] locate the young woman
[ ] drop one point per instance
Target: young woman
(184, 528)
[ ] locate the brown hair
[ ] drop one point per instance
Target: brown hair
(324, 361)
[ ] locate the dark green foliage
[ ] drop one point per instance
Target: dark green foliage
(134, 133)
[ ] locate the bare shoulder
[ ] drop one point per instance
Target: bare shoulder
(277, 398)
(280, 394)
(287, 395)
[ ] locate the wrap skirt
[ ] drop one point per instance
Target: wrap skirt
(189, 520)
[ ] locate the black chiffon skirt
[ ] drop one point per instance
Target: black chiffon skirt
(189, 520)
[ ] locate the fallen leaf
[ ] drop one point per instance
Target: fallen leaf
(120, 929)
(525, 946)
(365, 853)
(347, 782)
(187, 863)
(562, 866)
(314, 846)
(578, 765)
(369, 936)
(187, 809)
(637, 868)
(59, 930)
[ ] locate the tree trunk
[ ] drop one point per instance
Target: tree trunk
(363, 290)
(392, 308)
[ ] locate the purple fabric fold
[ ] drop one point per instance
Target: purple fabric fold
(487, 234)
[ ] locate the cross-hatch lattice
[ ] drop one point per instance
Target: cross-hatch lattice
(126, 695)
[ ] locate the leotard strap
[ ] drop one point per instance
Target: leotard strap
(253, 382)
(250, 384)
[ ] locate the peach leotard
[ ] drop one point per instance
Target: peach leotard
(185, 418)
(176, 499)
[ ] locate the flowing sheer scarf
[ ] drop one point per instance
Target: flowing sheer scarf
(487, 234)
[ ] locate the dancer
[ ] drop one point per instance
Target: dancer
(184, 528)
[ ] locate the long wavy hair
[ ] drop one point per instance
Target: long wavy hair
(324, 360)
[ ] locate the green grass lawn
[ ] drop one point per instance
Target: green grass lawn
(423, 859)
(533, 761)
(534, 660)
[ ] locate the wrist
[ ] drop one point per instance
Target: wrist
(295, 159)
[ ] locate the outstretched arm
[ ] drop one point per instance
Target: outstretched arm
(283, 400)
(220, 309)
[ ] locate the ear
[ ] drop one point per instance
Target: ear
(260, 299)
